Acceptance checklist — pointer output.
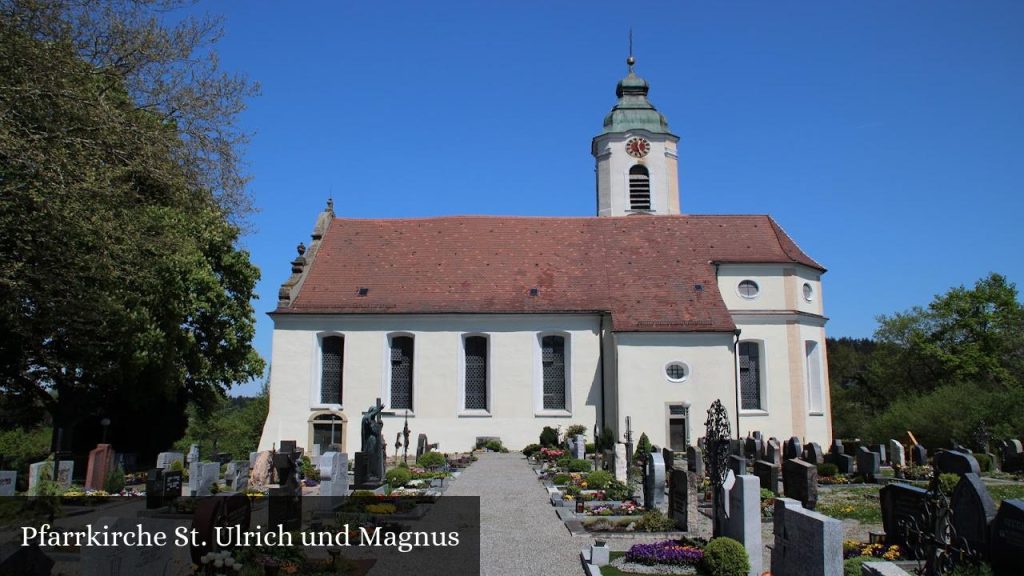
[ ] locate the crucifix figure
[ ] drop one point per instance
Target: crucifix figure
(373, 441)
(405, 434)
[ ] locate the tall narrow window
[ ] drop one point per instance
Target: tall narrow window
(332, 354)
(639, 188)
(401, 372)
(476, 373)
(553, 362)
(814, 392)
(750, 375)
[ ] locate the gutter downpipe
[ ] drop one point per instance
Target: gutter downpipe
(736, 376)
(600, 360)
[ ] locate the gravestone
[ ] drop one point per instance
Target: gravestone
(744, 521)
(754, 448)
(65, 469)
(897, 455)
(334, 474)
(837, 455)
(7, 482)
(1012, 456)
(768, 474)
(918, 455)
(654, 481)
(155, 489)
(236, 475)
(101, 462)
(792, 448)
(695, 460)
(25, 561)
(813, 453)
(193, 454)
(868, 464)
(837, 448)
(1008, 538)
(670, 460)
(165, 460)
(806, 543)
(973, 511)
(621, 469)
(173, 482)
(678, 499)
(738, 464)
(773, 452)
(579, 447)
(201, 476)
(800, 482)
(880, 450)
(954, 462)
(421, 445)
(252, 458)
(903, 507)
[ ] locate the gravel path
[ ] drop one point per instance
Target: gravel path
(520, 532)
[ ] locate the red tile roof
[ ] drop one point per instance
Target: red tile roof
(641, 269)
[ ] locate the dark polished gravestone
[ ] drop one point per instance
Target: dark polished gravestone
(792, 448)
(868, 464)
(678, 499)
(918, 455)
(880, 450)
(768, 474)
(773, 452)
(1008, 538)
(955, 462)
(837, 455)
(754, 448)
(903, 511)
(670, 461)
(738, 464)
(973, 512)
(800, 482)
(162, 488)
(813, 453)
(1011, 456)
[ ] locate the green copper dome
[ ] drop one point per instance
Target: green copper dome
(633, 111)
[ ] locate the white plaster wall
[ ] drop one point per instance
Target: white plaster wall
(819, 426)
(812, 277)
(645, 391)
(777, 412)
(613, 164)
(514, 367)
(770, 279)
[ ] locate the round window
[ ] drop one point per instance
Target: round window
(748, 289)
(677, 371)
(808, 291)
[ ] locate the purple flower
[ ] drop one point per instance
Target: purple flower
(674, 552)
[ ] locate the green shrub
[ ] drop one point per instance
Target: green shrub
(656, 521)
(617, 490)
(397, 477)
(606, 441)
(767, 494)
(431, 460)
(726, 557)
(307, 469)
(573, 430)
(984, 462)
(177, 466)
(494, 446)
(599, 479)
(589, 447)
(560, 479)
(531, 449)
(579, 465)
(827, 470)
(969, 569)
(549, 437)
(643, 448)
(851, 566)
(947, 482)
(115, 480)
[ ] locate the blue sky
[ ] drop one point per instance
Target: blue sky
(885, 137)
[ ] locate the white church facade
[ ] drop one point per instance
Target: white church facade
(476, 326)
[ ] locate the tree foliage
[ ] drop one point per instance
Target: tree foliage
(945, 371)
(121, 285)
(232, 425)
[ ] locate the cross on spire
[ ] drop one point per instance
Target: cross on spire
(630, 60)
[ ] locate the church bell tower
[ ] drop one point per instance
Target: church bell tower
(637, 167)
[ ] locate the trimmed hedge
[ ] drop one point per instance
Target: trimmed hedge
(726, 557)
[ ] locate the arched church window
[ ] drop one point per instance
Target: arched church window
(553, 362)
(476, 373)
(401, 372)
(750, 375)
(639, 188)
(332, 353)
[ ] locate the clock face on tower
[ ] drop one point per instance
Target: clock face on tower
(638, 147)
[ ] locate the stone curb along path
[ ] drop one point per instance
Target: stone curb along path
(520, 532)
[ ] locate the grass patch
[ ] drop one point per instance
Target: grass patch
(859, 504)
(1005, 492)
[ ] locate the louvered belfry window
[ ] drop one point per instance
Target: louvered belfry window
(639, 188)
(476, 373)
(553, 361)
(332, 353)
(750, 375)
(401, 372)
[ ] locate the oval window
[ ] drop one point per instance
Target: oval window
(677, 371)
(808, 291)
(748, 289)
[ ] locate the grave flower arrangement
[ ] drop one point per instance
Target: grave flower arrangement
(671, 552)
(853, 548)
(627, 508)
(551, 454)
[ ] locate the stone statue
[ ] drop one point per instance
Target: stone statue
(373, 442)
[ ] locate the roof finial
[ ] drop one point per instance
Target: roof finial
(630, 60)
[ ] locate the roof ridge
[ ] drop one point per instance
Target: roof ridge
(778, 229)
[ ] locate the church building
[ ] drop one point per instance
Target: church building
(476, 326)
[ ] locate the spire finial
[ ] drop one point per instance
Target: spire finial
(630, 60)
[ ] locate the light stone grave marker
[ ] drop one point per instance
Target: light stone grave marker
(744, 521)
(806, 543)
